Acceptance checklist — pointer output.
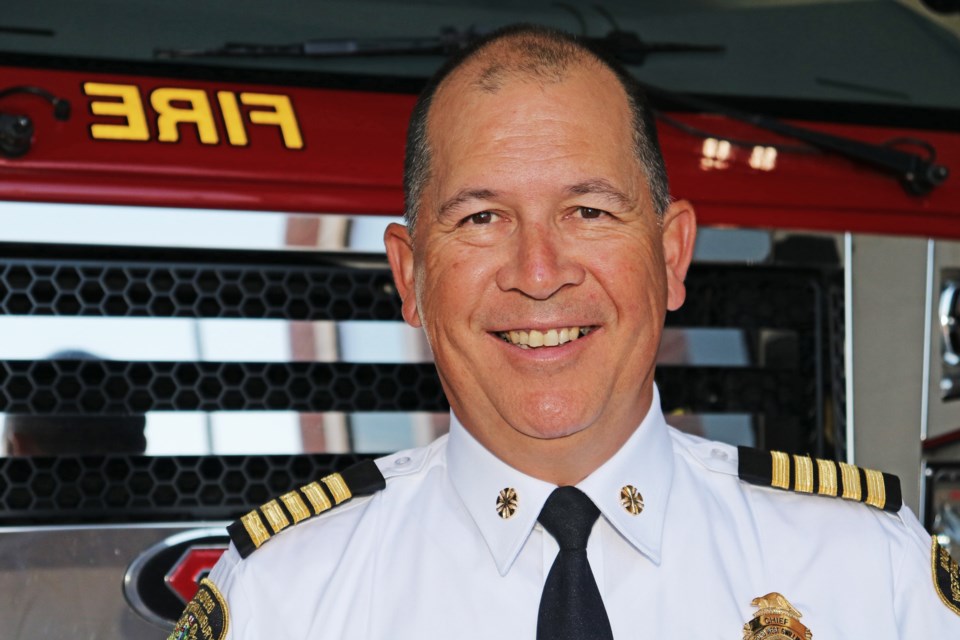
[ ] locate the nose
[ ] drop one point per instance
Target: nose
(540, 264)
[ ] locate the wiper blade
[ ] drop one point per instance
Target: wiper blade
(627, 47)
(447, 43)
(624, 45)
(918, 175)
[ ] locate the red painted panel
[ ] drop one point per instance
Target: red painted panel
(352, 160)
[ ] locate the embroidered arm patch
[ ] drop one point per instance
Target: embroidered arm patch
(946, 576)
(206, 616)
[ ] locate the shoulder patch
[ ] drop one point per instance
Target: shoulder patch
(804, 474)
(206, 616)
(251, 531)
(946, 576)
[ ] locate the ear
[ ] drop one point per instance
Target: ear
(679, 234)
(400, 254)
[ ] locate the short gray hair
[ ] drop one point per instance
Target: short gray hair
(544, 54)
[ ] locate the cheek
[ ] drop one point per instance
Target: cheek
(634, 278)
(453, 283)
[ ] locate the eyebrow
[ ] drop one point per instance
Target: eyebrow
(601, 187)
(465, 195)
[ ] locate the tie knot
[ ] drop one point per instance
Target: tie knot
(568, 514)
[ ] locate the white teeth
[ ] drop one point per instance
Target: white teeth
(536, 338)
(550, 338)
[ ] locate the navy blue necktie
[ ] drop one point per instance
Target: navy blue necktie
(571, 607)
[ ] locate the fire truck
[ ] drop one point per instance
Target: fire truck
(197, 313)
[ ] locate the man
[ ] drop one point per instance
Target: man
(540, 256)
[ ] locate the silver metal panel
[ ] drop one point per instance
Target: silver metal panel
(68, 582)
(888, 300)
(942, 415)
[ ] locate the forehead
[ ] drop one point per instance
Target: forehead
(582, 111)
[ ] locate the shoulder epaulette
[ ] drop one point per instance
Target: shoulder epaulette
(804, 474)
(251, 531)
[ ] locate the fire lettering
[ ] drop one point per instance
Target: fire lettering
(176, 111)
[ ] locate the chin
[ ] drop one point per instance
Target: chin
(551, 421)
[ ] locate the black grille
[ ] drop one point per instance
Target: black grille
(188, 284)
(143, 489)
(99, 387)
(116, 281)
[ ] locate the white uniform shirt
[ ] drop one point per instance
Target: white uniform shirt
(429, 556)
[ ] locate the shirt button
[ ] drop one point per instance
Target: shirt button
(401, 461)
(722, 455)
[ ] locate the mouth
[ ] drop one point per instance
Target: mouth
(537, 339)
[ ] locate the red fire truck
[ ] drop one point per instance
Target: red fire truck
(197, 313)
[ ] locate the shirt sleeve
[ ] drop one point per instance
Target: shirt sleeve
(922, 610)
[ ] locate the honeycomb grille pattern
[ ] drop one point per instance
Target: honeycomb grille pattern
(83, 387)
(142, 489)
(99, 387)
(747, 298)
(72, 287)
(718, 296)
(117, 281)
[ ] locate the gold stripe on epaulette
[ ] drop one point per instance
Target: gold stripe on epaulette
(803, 474)
(781, 470)
(317, 497)
(876, 490)
(276, 518)
(255, 528)
(827, 471)
(296, 506)
(851, 482)
(338, 488)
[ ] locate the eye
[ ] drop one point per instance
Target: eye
(483, 217)
(589, 213)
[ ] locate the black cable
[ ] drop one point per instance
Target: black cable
(61, 107)
(737, 142)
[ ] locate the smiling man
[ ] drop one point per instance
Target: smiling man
(540, 257)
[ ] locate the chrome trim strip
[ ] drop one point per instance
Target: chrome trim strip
(47, 222)
(209, 339)
(143, 526)
(848, 340)
(927, 346)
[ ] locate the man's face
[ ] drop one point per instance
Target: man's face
(537, 227)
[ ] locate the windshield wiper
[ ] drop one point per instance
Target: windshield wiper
(449, 42)
(918, 175)
(626, 46)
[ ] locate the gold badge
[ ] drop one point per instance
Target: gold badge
(946, 576)
(776, 620)
(206, 616)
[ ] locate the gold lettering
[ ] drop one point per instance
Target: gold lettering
(206, 600)
(232, 121)
(129, 106)
(280, 114)
(170, 116)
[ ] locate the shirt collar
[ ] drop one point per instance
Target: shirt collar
(645, 462)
